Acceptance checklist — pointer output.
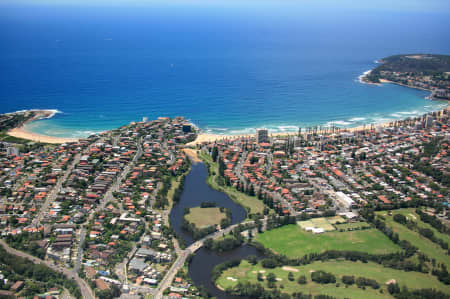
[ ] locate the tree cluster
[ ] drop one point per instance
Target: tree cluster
(404, 293)
(226, 244)
(208, 204)
(323, 277)
(27, 242)
(40, 276)
(197, 233)
(363, 282)
(433, 221)
(179, 190)
(257, 291)
(161, 197)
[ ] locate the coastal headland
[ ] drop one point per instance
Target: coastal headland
(427, 72)
(33, 115)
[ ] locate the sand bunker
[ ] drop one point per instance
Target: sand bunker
(285, 268)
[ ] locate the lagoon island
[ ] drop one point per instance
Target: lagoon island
(340, 213)
(224, 149)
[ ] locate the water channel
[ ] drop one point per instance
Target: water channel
(196, 191)
(204, 262)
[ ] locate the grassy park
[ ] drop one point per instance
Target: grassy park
(410, 214)
(425, 245)
(414, 280)
(203, 217)
(293, 241)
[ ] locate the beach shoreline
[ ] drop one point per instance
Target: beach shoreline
(404, 85)
(363, 78)
(23, 133)
(208, 137)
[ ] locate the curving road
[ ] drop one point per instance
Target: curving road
(86, 291)
(108, 197)
(181, 259)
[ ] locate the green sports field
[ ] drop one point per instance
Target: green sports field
(318, 223)
(292, 241)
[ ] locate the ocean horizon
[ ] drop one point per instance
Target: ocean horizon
(228, 69)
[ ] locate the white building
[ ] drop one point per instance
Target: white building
(344, 199)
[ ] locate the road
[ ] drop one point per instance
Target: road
(80, 249)
(108, 197)
(181, 259)
(54, 193)
(84, 287)
(120, 268)
(86, 291)
(116, 185)
(286, 203)
(238, 169)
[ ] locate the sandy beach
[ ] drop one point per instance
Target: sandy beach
(21, 132)
(201, 138)
(392, 82)
(192, 154)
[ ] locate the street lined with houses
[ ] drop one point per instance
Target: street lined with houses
(99, 210)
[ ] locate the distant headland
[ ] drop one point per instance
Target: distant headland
(13, 126)
(423, 71)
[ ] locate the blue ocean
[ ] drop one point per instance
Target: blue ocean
(229, 67)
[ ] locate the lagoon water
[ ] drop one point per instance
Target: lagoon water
(196, 191)
(229, 68)
(204, 262)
